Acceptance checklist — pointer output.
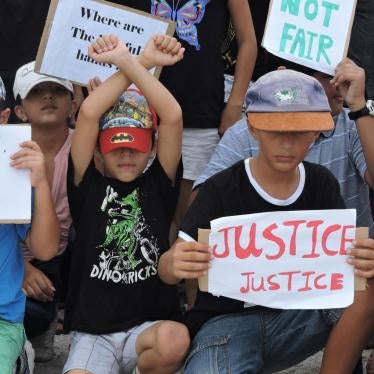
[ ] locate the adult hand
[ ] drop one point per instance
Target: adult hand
(350, 80)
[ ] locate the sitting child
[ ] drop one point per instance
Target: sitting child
(47, 104)
(41, 237)
(116, 300)
(286, 111)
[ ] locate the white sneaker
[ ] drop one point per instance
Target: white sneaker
(25, 362)
(30, 354)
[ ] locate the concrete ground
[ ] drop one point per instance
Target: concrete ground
(309, 366)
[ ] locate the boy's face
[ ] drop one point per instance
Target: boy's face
(283, 151)
(125, 164)
(333, 94)
(47, 103)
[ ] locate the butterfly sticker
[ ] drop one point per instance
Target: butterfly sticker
(186, 17)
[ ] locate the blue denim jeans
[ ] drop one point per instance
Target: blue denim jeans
(259, 340)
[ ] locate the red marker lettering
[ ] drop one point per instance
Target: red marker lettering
(251, 249)
(327, 232)
(344, 240)
(267, 234)
(295, 225)
(314, 225)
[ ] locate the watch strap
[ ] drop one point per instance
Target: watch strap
(359, 113)
(367, 110)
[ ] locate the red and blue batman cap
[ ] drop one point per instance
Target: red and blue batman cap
(128, 124)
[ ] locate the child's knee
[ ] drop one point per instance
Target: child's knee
(173, 340)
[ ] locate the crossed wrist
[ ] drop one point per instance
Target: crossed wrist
(145, 62)
(122, 58)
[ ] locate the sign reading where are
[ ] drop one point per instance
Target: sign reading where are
(72, 25)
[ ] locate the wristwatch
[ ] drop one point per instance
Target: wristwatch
(367, 110)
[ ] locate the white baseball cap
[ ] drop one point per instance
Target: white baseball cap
(26, 79)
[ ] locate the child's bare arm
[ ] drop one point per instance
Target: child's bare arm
(44, 234)
(247, 52)
(110, 49)
(96, 104)
(350, 80)
(160, 50)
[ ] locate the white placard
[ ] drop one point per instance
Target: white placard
(314, 33)
(73, 24)
(287, 260)
(15, 187)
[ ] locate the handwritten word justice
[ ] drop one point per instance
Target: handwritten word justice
(319, 234)
(290, 281)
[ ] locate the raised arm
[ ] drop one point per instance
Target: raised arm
(247, 53)
(95, 105)
(161, 50)
(350, 79)
(44, 234)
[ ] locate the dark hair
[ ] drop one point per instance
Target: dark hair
(2, 105)
(18, 100)
(274, 62)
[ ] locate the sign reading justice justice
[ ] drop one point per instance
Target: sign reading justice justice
(290, 260)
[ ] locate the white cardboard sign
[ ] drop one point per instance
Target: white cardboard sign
(73, 24)
(287, 260)
(15, 187)
(314, 33)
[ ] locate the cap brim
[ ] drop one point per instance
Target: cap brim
(292, 121)
(23, 93)
(125, 137)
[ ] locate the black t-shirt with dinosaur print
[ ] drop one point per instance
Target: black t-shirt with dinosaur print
(121, 231)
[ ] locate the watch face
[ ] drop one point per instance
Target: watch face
(370, 106)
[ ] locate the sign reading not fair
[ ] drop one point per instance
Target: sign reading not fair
(314, 33)
(73, 24)
(287, 260)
